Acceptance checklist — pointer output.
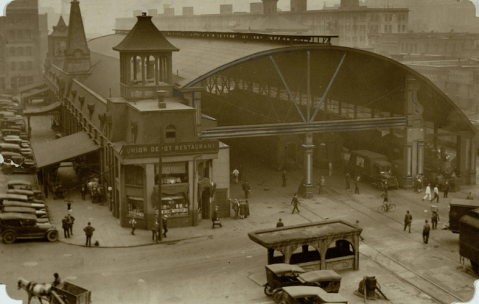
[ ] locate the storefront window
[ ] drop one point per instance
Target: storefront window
(136, 206)
(172, 173)
(175, 205)
(134, 175)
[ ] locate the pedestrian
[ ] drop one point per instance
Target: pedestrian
(133, 226)
(347, 181)
(428, 192)
(246, 209)
(236, 207)
(356, 185)
(71, 221)
(285, 177)
(407, 221)
(434, 220)
(425, 232)
(469, 197)
(88, 233)
(242, 212)
(280, 223)
(322, 183)
(330, 165)
(419, 183)
(69, 206)
(165, 225)
(215, 219)
(446, 188)
(154, 231)
(295, 202)
(83, 191)
(357, 225)
(235, 175)
(246, 189)
(436, 194)
(66, 229)
(57, 280)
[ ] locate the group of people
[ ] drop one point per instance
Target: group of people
(426, 228)
(155, 230)
(241, 208)
(67, 225)
(356, 180)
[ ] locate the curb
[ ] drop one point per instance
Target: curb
(141, 245)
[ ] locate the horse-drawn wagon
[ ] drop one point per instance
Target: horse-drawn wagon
(63, 293)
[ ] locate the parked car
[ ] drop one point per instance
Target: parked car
(19, 164)
(19, 184)
(373, 166)
(15, 226)
(306, 295)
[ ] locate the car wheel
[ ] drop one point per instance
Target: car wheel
(268, 290)
(52, 236)
(380, 186)
(278, 296)
(9, 237)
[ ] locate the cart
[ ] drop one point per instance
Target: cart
(68, 293)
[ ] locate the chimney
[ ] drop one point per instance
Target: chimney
(161, 99)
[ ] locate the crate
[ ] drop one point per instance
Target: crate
(72, 294)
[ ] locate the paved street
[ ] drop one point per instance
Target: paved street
(204, 265)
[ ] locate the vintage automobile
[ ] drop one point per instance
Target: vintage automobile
(16, 209)
(9, 148)
(19, 164)
(12, 197)
(306, 295)
(28, 193)
(468, 241)
(19, 184)
(372, 166)
(282, 275)
(36, 206)
(12, 139)
(15, 226)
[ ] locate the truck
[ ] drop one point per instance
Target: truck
(457, 209)
(373, 166)
(469, 238)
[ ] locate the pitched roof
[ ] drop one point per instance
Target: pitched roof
(76, 32)
(145, 36)
(61, 29)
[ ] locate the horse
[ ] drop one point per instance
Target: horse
(36, 290)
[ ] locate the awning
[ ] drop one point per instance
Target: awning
(43, 110)
(33, 93)
(58, 150)
(38, 84)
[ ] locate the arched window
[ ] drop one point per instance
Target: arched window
(170, 133)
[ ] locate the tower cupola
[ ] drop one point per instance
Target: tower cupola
(145, 61)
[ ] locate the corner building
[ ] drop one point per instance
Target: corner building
(127, 133)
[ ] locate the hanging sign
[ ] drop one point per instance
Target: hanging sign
(168, 149)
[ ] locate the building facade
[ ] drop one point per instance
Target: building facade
(146, 140)
(23, 34)
(351, 21)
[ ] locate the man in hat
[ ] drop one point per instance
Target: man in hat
(428, 192)
(280, 223)
(165, 225)
(88, 233)
(425, 232)
(407, 221)
(295, 203)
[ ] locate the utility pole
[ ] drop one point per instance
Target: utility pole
(160, 174)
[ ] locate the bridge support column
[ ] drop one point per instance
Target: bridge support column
(307, 182)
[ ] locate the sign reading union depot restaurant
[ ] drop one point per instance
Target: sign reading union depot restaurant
(202, 147)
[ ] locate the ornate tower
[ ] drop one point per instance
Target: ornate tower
(77, 53)
(57, 44)
(145, 61)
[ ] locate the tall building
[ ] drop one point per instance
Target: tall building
(21, 47)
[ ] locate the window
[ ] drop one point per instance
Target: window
(12, 51)
(172, 173)
(28, 34)
(136, 206)
(20, 51)
(29, 65)
(20, 34)
(170, 134)
(134, 175)
(20, 66)
(12, 66)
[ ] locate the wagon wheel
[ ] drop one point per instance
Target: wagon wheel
(52, 236)
(268, 290)
(278, 296)
(9, 237)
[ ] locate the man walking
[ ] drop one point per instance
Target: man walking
(154, 231)
(434, 220)
(236, 208)
(356, 185)
(165, 225)
(436, 194)
(446, 189)
(279, 223)
(330, 165)
(284, 177)
(83, 191)
(322, 183)
(246, 189)
(295, 203)
(407, 221)
(236, 174)
(66, 229)
(428, 192)
(133, 226)
(425, 232)
(88, 233)
(71, 221)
